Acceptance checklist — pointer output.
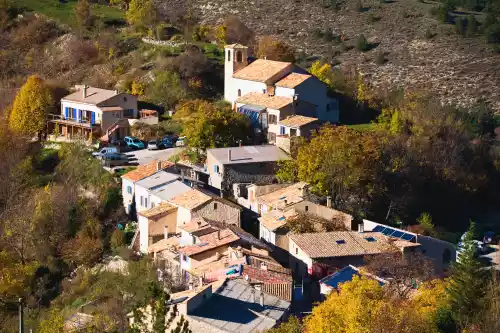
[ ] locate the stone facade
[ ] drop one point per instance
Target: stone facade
(220, 211)
(255, 173)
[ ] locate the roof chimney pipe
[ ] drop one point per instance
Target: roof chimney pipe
(361, 228)
(84, 91)
(261, 299)
(158, 165)
(329, 201)
(165, 232)
(229, 154)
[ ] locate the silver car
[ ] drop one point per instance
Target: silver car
(113, 159)
(154, 144)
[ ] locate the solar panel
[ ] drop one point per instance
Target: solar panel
(378, 228)
(370, 239)
(407, 237)
(397, 234)
(388, 231)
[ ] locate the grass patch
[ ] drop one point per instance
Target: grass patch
(64, 11)
(363, 127)
(213, 52)
(123, 171)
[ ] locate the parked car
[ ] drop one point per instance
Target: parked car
(154, 144)
(113, 159)
(105, 150)
(169, 141)
(181, 141)
(134, 143)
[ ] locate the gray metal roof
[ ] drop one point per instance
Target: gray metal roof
(248, 154)
(157, 179)
(232, 309)
(168, 191)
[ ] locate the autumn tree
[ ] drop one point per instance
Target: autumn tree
(274, 49)
(166, 90)
(323, 72)
(121, 3)
(341, 162)
(83, 15)
(362, 305)
(142, 13)
(292, 325)
(31, 106)
(210, 125)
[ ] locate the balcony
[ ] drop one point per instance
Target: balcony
(82, 123)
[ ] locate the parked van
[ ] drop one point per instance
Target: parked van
(113, 159)
(105, 150)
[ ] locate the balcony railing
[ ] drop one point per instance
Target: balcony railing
(71, 121)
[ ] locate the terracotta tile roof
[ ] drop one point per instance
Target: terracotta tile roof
(210, 241)
(162, 209)
(262, 70)
(264, 100)
(277, 284)
(195, 224)
(94, 96)
(190, 199)
(276, 218)
(291, 194)
(292, 80)
(164, 244)
(146, 170)
(297, 121)
(343, 243)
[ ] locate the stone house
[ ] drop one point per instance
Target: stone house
(248, 164)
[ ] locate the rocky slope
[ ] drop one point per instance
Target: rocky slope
(459, 70)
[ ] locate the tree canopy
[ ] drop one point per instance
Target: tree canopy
(274, 49)
(31, 106)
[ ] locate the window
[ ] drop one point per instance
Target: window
(239, 56)
(272, 119)
(263, 91)
(142, 201)
(216, 168)
(239, 92)
(129, 189)
(128, 113)
(282, 130)
(307, 208)
(145, 202)
(296, 250)
(125, 98)
(228, 55)
(215, 205)
(184, 257)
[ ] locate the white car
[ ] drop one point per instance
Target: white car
(181, 141)
(153, 145)
(105, 150)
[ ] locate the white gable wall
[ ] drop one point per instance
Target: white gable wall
(143, 233)
(231, 92)
(315, 92)
(82, 106)
(127, 197)
(281, 91)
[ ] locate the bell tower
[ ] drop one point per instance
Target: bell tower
(235, 58)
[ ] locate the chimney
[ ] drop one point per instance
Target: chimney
(116, 92)
(261, 299)
(84, 90)
(361, 228)
(329, 201)
(229, 154)
(165, 231)
(201, 281)
(218, 234)
(190, 285)
(158, 165)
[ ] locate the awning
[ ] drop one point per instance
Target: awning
(253, 113)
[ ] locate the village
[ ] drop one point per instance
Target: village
(248, 250)
(307, 166)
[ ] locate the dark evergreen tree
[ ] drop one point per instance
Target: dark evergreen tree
(468, 282)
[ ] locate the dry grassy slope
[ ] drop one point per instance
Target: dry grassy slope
(459, 70)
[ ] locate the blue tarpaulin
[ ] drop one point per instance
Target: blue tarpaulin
(253, 113)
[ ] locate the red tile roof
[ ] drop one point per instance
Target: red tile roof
(146, 170)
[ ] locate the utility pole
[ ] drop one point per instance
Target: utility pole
(21, 316)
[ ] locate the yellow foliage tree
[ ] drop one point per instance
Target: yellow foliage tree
(30, 108)
(142, 13)
(221, 34)
(137, 88)
(363, 306)
(53, 323)
(274, 49)
(323, 72)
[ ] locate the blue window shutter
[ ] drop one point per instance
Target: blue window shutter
(66, 112)
(282, 130)
(92, 117)
(73, 114)
(215, 168)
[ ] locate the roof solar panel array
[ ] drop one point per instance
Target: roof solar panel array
(394, 233)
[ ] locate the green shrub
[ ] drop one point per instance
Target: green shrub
(362, 44)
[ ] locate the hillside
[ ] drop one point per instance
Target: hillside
(419, 51)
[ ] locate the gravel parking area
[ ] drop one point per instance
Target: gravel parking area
(144, 156)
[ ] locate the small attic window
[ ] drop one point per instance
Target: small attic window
(370, 239)
(124, 98)
(340, 241)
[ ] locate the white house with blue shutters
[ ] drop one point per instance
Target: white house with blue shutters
(93, 111)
